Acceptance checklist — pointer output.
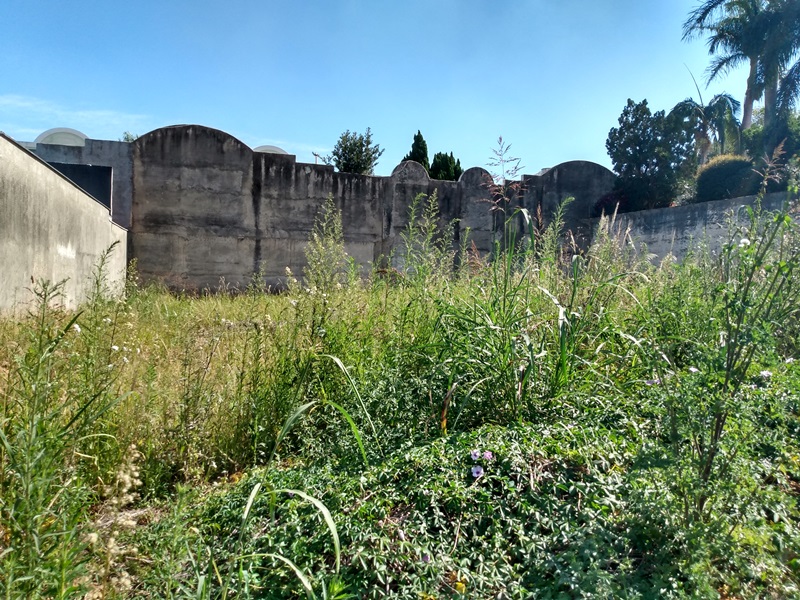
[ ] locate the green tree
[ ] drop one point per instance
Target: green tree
(650, 152)
(355, 153)
(419, 151)
(445, 167)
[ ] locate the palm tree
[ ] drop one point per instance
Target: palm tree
(710, 122)
(780, 67)
(766, 35)
(736, 29)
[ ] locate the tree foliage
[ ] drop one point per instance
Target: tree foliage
(765, 34)
(788, 133)
(445, 167)
(419, 151)
(650, 152)
(355, 153)
(714, 125)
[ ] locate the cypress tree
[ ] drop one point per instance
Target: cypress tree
(445, 167)
(419, 151)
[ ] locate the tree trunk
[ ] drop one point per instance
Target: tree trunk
(770, 116)
(749, 96)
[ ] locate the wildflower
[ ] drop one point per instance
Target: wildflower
(744, 243)
(76, 327)
(460, 587)
(789, 360)
(766, 374)
(115, 348)
(92, 539)
(426, 558)
(694, 370)
(653, 381)
(477, 471)
(475, 454)
(488, 455)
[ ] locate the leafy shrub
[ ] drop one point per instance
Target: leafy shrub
(726, 176)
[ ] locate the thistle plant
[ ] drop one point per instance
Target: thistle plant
(752, 292)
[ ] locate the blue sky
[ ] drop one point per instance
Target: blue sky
(550, 76)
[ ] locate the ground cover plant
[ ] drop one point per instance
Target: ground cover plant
(541, 423)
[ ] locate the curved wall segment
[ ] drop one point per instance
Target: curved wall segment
(209, 211)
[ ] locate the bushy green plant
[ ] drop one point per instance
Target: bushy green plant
(726, 176)
(327, 260)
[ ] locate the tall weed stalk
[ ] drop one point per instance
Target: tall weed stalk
(42, 497)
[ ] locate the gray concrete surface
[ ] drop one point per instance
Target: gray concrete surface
(50, 230)
(100, 153)
(207, 210)
(677, 230)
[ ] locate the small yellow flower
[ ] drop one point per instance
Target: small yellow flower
(461, 588)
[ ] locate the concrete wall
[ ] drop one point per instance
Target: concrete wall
(677, 229)
(50, 229)
(101, 153)
(585, 182)
(208, 209)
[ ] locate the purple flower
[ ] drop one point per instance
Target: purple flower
(487, 455)
(426, 558)
(477, 471)
(653, 381)
(475, 454)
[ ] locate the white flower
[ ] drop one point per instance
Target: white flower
(694, 370)
(789, 360)
(76, 327)
(115, 348)
(766, 374)
(744, 243)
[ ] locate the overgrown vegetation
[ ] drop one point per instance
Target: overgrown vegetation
(726, 176)
(545, 424)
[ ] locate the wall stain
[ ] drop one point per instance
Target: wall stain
(256, 193)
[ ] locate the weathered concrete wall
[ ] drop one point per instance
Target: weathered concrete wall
(102, 153)
(208, 209)
(585, 182)
(51, 230)
(677, 229)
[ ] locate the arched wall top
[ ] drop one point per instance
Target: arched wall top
(197, 131)
(63, 136)
(410, 170)
(475, 176)
(578, 165)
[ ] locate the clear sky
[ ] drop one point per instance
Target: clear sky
(550, 76)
